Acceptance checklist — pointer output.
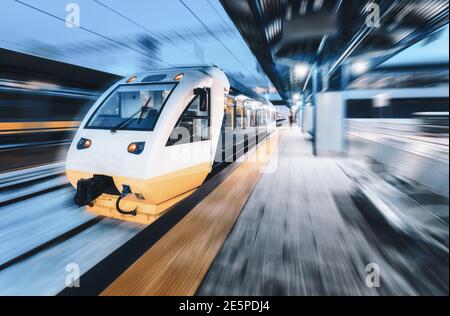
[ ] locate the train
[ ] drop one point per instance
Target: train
(153, 138)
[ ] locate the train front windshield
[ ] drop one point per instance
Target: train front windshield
(131, 107)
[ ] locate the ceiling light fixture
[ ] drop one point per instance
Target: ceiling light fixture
(301, 71)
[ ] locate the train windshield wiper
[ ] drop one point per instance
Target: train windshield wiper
(142, 110)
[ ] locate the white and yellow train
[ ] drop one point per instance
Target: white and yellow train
(152, 139)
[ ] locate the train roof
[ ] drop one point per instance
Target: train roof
(203, 68)
(237, 87)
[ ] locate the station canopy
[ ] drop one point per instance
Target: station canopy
(290, 38)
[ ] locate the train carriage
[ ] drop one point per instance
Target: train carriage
(152, 139)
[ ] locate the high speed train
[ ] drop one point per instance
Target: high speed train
(152, 139)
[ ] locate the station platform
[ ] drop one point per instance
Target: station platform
(288, 226)
(178, 262)
(293, 238)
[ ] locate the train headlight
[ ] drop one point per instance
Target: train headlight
(136, 148)
(179, 77)
(84, 143)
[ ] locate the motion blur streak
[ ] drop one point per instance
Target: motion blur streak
(362, 175)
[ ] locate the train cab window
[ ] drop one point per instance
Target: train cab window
(131, 107)
(194, 123)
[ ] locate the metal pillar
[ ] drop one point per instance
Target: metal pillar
(345, 76)
(315, 89)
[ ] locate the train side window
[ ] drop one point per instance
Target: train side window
(239, 118)
(228, 117)
(194, 123)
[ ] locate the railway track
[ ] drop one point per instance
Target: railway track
(51, 243)
(20, 185)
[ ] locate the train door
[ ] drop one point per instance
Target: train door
(194, 128)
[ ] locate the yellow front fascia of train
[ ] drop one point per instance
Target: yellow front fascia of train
(161, 193)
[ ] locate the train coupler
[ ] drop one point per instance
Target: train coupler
(90, 189)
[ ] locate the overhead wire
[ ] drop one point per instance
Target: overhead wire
(89, 31)
(146, 28)
(267, 81)
(217, 38)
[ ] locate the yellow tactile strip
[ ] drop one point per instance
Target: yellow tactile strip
(178, 262)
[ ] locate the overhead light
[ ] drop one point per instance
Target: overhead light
(381, 100)
(359, 67)
(301, 71)
(132, 79)
(179, 77)
(296, 97)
